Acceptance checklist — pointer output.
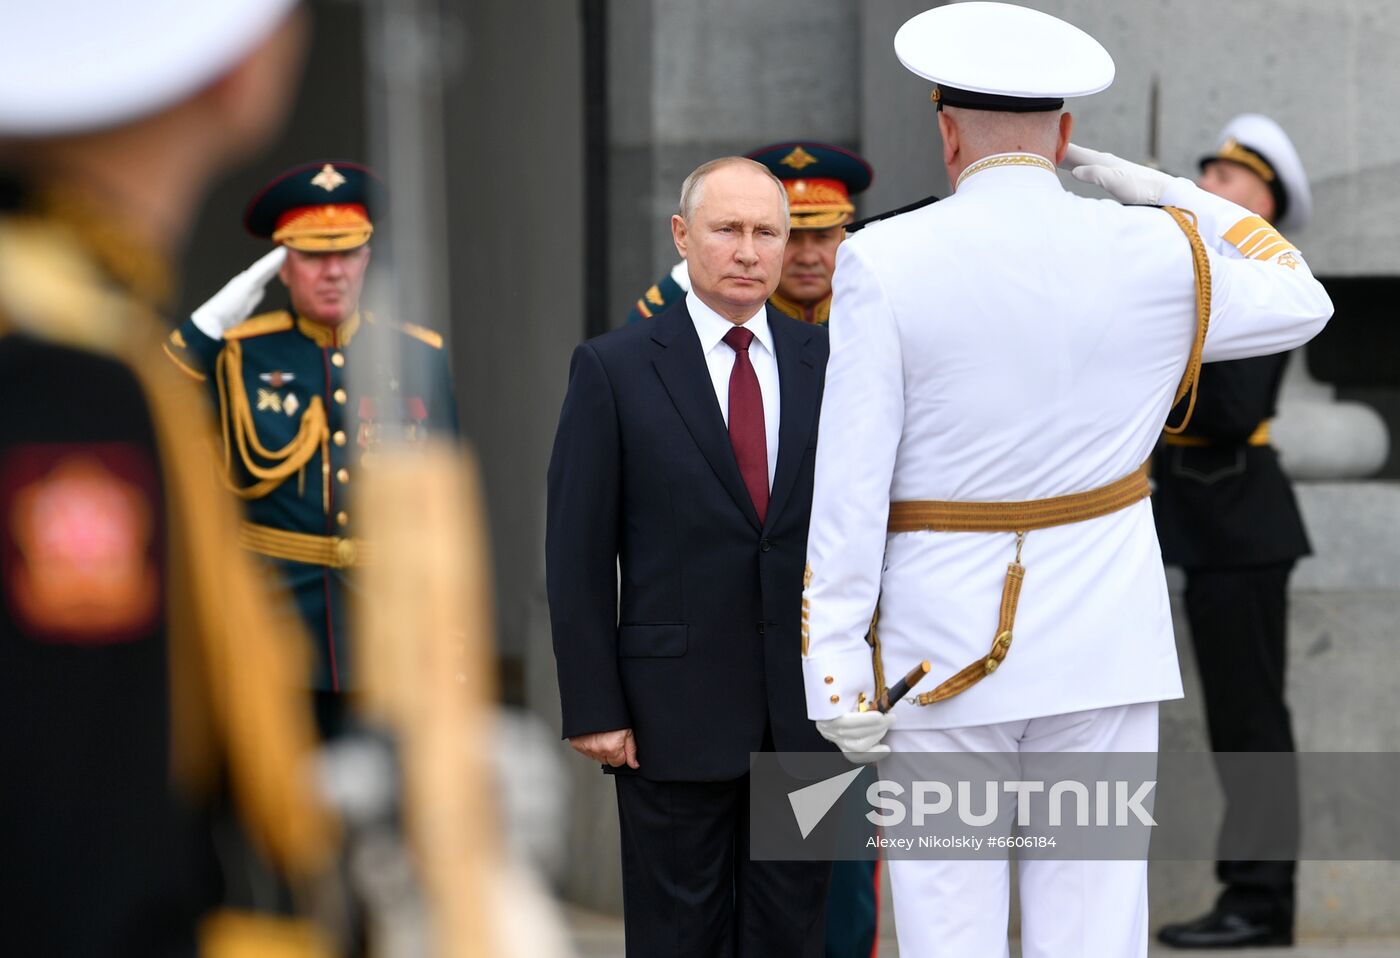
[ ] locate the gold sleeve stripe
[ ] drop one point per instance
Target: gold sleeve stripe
(1269, 252)
(1256, 239)
(1257, 247)
(188, 370)
(1242, 230)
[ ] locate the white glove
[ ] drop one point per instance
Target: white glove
(1127, 182)
(858, 734)
(236, 301)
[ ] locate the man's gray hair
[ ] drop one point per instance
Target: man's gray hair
(693, 188)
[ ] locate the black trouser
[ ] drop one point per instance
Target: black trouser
(1239, 630)
(689, 887)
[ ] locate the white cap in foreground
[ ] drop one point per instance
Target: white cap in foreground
(72, 65)
(1000, 56)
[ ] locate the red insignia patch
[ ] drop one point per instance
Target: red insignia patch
(81, 554)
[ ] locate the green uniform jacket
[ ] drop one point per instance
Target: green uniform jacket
(295, 437)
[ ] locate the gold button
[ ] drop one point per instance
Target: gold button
(339, 437)
(345, 552)
(340, 396)
(991, 666)
(835, 699)
(342, 518)
(828, 680)
(337, 359)
(342, 475)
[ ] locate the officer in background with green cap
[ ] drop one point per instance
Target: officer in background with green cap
(820, 180)
(294, 432)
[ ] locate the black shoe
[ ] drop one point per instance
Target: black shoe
(1225, 929)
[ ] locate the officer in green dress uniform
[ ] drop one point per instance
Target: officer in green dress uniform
(144, 691)
(820, 180)
(295, 433)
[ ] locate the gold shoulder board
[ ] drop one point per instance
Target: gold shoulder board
(276, 322)
(423, 334)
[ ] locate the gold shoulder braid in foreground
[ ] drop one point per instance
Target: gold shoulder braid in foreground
(1022, 517)
(227, 655)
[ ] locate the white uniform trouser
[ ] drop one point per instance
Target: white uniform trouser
(1069, 909)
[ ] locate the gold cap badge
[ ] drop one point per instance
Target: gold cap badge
(328, 179)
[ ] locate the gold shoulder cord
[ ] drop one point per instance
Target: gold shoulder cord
(1201, 262)
(872, 639)
(236, 413)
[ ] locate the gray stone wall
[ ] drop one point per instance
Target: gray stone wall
(1341, 691)
(690, 80)
(1326, 71)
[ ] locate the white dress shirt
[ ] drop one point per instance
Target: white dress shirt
(711, 327)
(1016, 341)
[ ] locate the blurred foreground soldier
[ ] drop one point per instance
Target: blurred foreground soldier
(820, 180)
(295, 436)
(978, 378)
(684, 452)
(141, 683)
(1226, 514)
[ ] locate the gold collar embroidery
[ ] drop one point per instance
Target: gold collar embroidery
(1005, 159)
(329, 337)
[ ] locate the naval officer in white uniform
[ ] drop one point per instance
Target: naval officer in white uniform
(1016, 343)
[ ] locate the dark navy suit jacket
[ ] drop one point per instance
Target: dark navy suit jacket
(700, 651)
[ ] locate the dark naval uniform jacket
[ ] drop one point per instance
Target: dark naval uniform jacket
(295, 436)
(1221, 499)
(129, 638)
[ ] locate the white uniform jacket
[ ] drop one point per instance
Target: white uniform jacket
(1016, 341)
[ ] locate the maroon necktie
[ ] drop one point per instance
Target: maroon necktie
(746, 431)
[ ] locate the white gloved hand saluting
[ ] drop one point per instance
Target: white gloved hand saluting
(858, 734)
(1127, 182)
(240, 295)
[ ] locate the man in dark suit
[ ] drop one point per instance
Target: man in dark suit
(685, 453)
(1226, 514)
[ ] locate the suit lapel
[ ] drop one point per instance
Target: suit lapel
(681, 366)
(800, 387)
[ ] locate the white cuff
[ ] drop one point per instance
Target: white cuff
(207, 324)
(835, 682)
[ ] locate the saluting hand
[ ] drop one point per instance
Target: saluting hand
(1128, 182)
(240, 295)
(614, 748)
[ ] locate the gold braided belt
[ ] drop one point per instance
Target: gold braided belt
(1259, 437)
(335, 552)
(930, 515)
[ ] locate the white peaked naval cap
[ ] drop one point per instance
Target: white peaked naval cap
(999, 56)
(1258, 143)
(72, 65)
